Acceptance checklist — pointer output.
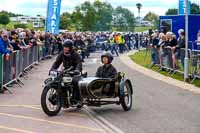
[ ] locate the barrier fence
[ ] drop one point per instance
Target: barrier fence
(18, 63)
(165, 61)
(195, 64)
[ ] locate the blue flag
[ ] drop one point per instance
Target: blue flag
(182, 7)
(53, 16)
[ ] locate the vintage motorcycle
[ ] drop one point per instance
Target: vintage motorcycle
(58, 91)
(81, 51)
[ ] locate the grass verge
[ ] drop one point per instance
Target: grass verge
(142, 29)
(143, 58)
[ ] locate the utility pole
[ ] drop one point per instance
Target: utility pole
(186, 61)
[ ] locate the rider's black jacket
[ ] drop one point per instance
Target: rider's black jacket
(106, 71)
(68, 61)
(79, 43)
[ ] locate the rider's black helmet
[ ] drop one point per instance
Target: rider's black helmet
(108, 55)
(68, 44)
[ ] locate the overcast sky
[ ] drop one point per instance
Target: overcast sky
(33, 7)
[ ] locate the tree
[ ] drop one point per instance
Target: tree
(65, 20)
(89, 16)
(77, 18)
(10, 14)
(123, 19)
(195, 8)
(104, 15)
(172, 11)
(151, 17)
(4, 19)
(23, 26)
(95, 16)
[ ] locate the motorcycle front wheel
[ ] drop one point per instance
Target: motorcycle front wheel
(51, 101)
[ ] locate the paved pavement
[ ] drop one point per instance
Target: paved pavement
(158, 107)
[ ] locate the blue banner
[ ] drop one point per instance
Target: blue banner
(53, 16)
(182, 7)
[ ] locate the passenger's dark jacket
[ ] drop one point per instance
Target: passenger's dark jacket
(106, 72)
(68, 61)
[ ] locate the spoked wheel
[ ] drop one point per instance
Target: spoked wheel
(50, 101)
(126, 99)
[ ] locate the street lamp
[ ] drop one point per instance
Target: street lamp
(139, 6)
(186, 60)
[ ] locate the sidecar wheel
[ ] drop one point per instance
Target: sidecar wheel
(126, 100)
(51, 103)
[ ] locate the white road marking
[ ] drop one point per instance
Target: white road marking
(15, 129)
(109, 127)
(52, 122)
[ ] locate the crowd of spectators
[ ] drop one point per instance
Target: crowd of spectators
(13, 40)
(170, 47)
(161, 45)
(167, 45)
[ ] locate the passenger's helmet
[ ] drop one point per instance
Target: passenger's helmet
(108, 55)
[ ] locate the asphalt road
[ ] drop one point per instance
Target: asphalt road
(158, 107)
(21, 111)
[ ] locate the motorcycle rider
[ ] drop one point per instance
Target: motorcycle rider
(78, 43)
(107, 70)
(70, 58)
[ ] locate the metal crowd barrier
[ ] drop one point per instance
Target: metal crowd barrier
(44, 52)
(165, 55)
(180, 60)
(166, 62)
(19, 62)
(1, 73)
(9, 69)
(195, 64)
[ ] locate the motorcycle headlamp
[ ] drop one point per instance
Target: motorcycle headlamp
(53, 74)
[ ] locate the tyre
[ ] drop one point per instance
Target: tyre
(51, 101)
(126, 100)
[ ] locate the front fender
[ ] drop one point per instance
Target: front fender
(130, 84)
(122, 85)
(52, 84)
